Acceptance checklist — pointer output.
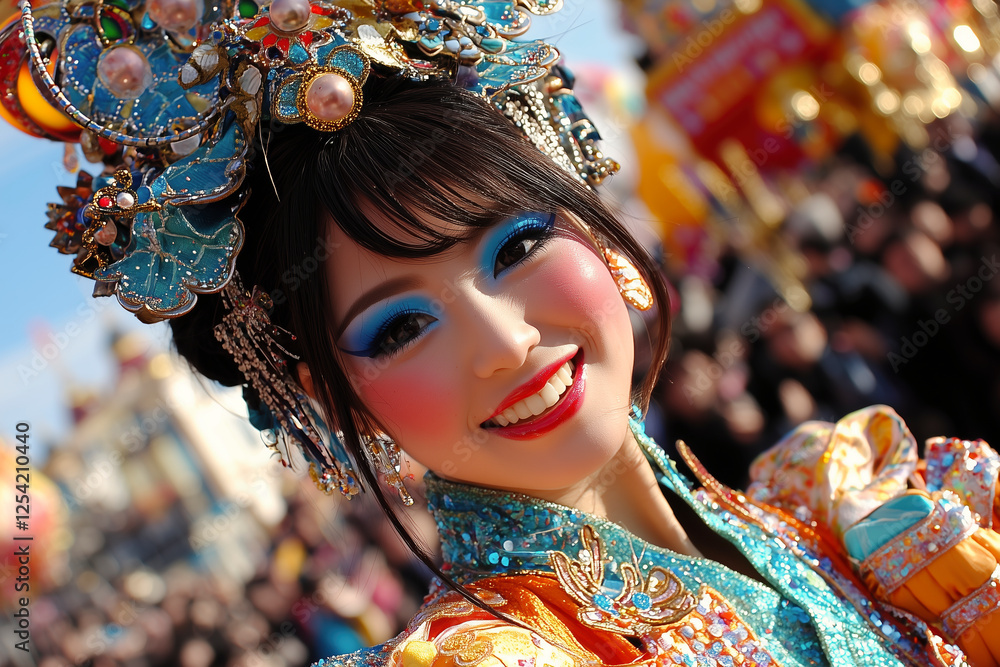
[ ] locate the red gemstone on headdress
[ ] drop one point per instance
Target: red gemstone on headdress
(107, 146)
(104, 202)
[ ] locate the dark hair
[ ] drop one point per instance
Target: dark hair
(428, 148)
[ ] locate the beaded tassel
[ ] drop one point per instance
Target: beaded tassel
(386, 456)
(246, 332)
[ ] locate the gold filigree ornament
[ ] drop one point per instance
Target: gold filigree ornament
(329, 97)
(630, 283)
(109, 215)
(635, 610)
(467, 648)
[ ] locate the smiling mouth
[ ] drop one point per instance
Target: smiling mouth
(539, 403)
(556, 401)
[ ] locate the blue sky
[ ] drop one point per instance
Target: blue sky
(54, 333)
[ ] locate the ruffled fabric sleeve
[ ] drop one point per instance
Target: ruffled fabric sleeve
(919, 533)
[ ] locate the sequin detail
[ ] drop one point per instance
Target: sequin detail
(967, 467)
(981, 602)
(895, 563)
(813, 612)
(712, 635)
(802, 563)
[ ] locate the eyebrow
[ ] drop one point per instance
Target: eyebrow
(374, 295)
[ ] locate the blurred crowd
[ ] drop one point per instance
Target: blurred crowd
(899, 259)
(336, 579)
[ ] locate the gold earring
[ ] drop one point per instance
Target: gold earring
(387, 458)
(630, 283)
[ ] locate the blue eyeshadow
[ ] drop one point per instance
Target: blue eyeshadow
(497, 237)
(364, 331)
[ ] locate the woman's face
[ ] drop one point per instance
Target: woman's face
(504, 361)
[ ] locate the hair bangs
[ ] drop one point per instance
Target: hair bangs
(417, 183)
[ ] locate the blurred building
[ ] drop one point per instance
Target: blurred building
(153, 462)
(161, 470)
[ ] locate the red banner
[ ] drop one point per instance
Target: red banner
(709, 82)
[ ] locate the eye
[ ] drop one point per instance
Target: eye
(389, 327)
(399, 332)
(523, 239)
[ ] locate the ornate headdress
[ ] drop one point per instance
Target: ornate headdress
(170, 93)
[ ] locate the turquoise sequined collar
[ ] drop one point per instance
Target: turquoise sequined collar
(488, 532)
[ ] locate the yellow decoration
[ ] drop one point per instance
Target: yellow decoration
(38, 107)
(418, 654)
(630, 283)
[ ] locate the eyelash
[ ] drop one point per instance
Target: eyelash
(397, 318)
(540, 233)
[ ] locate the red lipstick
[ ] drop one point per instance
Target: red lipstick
(567, 406)
(532, 386)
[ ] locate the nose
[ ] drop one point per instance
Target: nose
(499, 335)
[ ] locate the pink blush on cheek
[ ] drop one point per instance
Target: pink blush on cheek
(414, 400)
(575, 278)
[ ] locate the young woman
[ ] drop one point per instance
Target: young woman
(408, 272)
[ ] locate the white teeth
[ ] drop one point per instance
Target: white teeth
(540, 402)
(536, 404)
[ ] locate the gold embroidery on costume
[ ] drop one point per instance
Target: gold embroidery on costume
(640, 606)
(467, 648)
(484, 643)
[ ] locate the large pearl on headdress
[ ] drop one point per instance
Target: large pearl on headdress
(174, 15)
(290, 15)
(330, 97)
(125, 72)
